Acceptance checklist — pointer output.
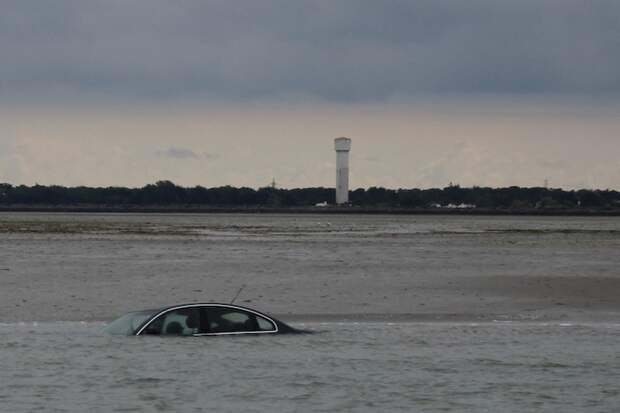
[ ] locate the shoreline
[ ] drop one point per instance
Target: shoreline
(181, 209)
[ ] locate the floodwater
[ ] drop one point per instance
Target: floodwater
(434, 313)
(507, 367)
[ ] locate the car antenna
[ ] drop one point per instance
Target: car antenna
(237, 295)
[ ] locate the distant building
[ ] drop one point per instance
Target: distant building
(342, 146)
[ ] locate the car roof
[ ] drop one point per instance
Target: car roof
(206, 304)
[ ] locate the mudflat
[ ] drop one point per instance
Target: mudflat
(70, 266)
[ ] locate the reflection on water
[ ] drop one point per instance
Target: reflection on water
(508, 367)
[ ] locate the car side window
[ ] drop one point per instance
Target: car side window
(181, 322)
(264, 324)
(231, 320)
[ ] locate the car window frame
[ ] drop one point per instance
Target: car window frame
(203, 307)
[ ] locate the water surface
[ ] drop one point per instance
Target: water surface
(508, 367)
(530, 310)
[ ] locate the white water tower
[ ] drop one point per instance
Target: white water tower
(343, 146)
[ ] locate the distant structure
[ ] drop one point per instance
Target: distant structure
(343, 146)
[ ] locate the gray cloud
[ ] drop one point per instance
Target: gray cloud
(554, 164)
(211, 156)
(177, 153)
(350, 50)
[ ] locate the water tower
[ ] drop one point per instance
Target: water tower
(343, 146)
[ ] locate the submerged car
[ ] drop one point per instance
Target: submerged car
(200, 319)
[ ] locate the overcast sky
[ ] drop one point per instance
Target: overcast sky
(127, 92)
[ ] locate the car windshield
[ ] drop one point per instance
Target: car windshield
(129, 323)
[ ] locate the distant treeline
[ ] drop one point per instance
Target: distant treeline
(166, 193)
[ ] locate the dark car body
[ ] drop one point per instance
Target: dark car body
(198, 319)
